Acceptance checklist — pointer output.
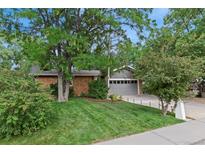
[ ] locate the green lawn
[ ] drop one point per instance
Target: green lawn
(83, 122)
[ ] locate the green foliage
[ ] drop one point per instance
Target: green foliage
(5, 59)
(56, 37)
(98, 89)
(77, 121)
(24, 106)
(17, 81)
(64, 34)
(115, 98)
(23, 113)
(71, 92)
(54, 90)
(167, 77)
(183, 35)
(128, 53)
(94, 61)
(9, 53)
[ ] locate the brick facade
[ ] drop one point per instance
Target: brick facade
(46, 81)
(80, 84)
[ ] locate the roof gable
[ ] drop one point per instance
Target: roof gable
(130, 68)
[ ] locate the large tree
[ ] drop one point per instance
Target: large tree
(58, 38)
(175, 55)
(183, 34)
(167, 77)
(10, 55)
(188, 26)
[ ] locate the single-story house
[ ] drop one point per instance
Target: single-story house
(121, 82)
(80, 82)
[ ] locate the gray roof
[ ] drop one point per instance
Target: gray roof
(87, 73)
(37, 72)
(45, 73)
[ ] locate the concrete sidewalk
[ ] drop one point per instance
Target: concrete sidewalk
(191, 132)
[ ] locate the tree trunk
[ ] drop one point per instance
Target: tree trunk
(162, 103)
(66, 91)
(164, 107)
(60, 87)
(63, 88)
(175, 105)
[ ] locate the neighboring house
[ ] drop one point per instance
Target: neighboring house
(198, 88)
(80, 80)
(122, 82)
(202, 89)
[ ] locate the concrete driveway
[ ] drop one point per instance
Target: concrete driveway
(194, 107)
(194, 110)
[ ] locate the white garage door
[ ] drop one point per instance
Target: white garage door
(123, 87)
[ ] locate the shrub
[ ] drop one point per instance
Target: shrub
(54, 90)
(115, 98)
(98, 89)
(17, 81)
(22, 113)
(71, 92)
(83, 94)
(24, 106)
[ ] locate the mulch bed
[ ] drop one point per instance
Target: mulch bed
(98, 100)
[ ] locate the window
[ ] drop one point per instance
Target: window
(123, 81)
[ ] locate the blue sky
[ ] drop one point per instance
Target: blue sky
(157, 14)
